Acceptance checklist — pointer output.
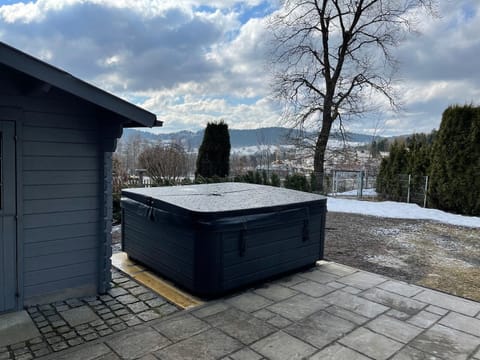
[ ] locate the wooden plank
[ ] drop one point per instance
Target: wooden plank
(69, 273)
(61, 232)
(59, 246)
(59, 205)
(60, 218)
(60, 177)
(60, 163)
(58, 120)
(60, 191)
(66, 258)
(44, 288)
(38, 148)
(59, 135)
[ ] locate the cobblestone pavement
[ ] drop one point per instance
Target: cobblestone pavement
(73, 322)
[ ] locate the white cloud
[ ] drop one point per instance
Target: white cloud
(193, 61)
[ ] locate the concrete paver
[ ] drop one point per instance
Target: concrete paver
(210, 309)
(446, 343)
(394, 329)
(347, 315)
(336, 269)
(400, 288)
(319, 276)
(313, 288)
(409, 353)
(424, 319)
(16, 327)
(245, 354)
(372, 344)
(279, 322)
(400, 315)
(181, 327)
(362, 280)
(395, 301)
(354, 303)
(240, 325)
(289, 318)
(281, 346)
(338, 352)
(436, 310)
(298, 307)
(477, 355)
(210, 344)
(94, 351)
(132, 345)
(249, 302)
(79, 315)
(275, 292)
(463, 306)
(462, 323)
(320, 329)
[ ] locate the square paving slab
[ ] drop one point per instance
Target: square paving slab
(79, 315)
(16, 327)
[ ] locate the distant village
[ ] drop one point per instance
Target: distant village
(347, 162)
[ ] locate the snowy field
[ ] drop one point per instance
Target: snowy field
(390, 209)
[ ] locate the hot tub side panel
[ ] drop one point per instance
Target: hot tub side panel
(158, 243)
(285, 241)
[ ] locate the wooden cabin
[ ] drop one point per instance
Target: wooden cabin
(57, 135)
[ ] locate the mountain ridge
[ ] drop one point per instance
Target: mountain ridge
(239, 137)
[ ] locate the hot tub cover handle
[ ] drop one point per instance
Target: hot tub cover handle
(306, 226)
(242, 242)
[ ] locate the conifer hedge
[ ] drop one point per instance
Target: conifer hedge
(455, 170)
(450, 157)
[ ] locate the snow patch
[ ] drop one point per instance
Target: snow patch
(391, 209)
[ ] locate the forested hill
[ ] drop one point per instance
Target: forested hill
(238, 138)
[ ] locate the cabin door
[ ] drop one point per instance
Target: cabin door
(8, 241)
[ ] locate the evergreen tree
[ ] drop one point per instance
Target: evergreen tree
(455, 168)
(214, 152)
(275, 180)
(297, 182)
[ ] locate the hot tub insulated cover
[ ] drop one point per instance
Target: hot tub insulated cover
(216, 237)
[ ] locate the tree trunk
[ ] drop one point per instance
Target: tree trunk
(319, 155)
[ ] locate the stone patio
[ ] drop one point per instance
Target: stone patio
(329, 312)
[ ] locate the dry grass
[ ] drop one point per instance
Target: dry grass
(434, 255)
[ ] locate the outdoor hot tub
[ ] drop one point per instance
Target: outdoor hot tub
(213, 238)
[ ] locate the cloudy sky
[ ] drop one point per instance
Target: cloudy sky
(194, 61)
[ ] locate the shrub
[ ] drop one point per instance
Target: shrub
(214, 152)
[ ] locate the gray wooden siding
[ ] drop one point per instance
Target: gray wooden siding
(62, 178)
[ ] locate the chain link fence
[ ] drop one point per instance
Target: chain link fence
(351, 183)
(414, 189)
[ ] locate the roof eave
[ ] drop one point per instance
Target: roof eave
(47, 73)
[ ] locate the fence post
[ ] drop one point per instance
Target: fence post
(362, 173)
(426, 192)
(408, 189)
(333, 182)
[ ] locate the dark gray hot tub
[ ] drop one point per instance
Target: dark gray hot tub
(214, 238)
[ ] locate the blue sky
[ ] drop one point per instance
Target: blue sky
(194, 61)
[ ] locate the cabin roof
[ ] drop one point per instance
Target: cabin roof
(132, 115)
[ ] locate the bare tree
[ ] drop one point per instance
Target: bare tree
(165, 163)
(333, 60)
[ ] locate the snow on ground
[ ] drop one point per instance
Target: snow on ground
(390, 209)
